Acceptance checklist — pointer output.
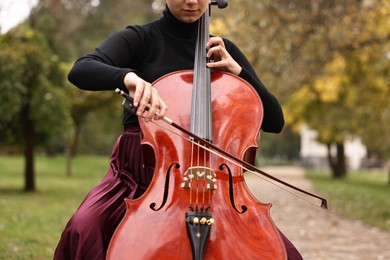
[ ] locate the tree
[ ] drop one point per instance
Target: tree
(33, 106)
(84, 24)
(325, 60)
(85, 104)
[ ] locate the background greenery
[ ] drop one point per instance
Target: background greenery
(327, 62)
(31, 222)
(361, 195)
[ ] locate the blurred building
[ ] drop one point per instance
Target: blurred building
(314, 154)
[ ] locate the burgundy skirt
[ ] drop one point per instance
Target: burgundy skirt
(89, 231)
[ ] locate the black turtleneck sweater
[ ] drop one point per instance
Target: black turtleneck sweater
(153, 50)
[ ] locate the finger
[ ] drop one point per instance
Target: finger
(139, 89)
(144, 98)
(219, 65)
(162, 111)
(217, 51)
(154, 104)
(223, 61)
(218, 41)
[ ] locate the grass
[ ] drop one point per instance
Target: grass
(361, 195)
(31, 222)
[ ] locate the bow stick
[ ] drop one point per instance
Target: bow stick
(207, 144)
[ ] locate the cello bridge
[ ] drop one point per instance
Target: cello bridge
(200, 174)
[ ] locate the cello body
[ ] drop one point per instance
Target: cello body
(154, 226)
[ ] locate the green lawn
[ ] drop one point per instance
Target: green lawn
(362, 195)
(31, 223)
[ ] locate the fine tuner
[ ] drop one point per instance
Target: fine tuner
(203, 221)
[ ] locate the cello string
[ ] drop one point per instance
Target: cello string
(209, 202)
(204, 178)
(191, 172)
(203, 174)
(237, 164)
(197, 176)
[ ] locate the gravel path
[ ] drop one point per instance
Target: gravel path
(318, 233)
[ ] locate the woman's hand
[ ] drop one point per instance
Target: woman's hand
(145, 96)
(221, 58)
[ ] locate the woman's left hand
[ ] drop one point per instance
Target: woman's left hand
(221, 57)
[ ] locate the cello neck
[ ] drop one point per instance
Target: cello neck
(201, 117)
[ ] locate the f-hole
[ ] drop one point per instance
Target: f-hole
(166, 187)
(231, 192)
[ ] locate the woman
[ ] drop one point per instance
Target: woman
(130, 60)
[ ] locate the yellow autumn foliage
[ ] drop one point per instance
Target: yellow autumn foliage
(331, 82)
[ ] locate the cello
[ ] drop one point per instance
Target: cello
(198, 205)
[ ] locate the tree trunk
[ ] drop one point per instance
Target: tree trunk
(29, 138)
(72, 148)
(337, 164)
(69, 159)
(341, 162)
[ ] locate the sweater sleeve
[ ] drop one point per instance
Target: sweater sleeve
(273, 120)
(106, 67)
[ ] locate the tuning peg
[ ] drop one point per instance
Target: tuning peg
(221, 3)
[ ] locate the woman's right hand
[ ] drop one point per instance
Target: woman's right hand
(145, 96)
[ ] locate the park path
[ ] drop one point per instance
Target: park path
(318, 234)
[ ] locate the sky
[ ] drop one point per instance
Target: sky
(13, 12)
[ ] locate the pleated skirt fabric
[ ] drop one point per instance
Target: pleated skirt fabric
(88, 232)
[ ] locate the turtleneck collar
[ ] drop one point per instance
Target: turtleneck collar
(177, 28)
